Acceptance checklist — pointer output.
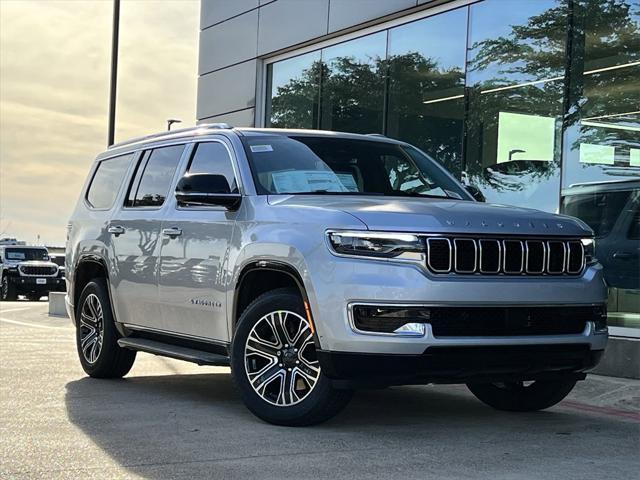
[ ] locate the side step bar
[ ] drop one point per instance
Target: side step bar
(174, 351)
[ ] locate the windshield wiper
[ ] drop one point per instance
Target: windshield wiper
(418, 195)
(329, 192)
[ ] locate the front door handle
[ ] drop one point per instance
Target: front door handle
(624, 255)
(172, 232)
(115, 230)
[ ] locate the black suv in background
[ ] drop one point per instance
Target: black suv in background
(28, 271)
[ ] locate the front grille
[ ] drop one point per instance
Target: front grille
(480, 321)
(513, 256)
(37, 271)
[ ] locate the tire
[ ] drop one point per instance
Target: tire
(7, 290)
(101, 356)
(517, 397)
(262, 364)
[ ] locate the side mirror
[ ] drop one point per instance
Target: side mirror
(476, 193)
(205, 189)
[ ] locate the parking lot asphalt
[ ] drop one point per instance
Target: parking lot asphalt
(169, 419)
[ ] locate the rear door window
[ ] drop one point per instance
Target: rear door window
(106, 181)
(153, 177)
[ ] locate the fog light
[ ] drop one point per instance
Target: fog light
(402, 321)
(600, 319)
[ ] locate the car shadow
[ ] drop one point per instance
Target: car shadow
(182, 422)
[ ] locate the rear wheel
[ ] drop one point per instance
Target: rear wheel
(274, 363)
(522, 397)
(97, 337)
(8, 290)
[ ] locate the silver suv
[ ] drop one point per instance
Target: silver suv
(314, 263)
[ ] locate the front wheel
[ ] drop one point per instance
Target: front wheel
(8, 290)
(274, 363)
(521, 397)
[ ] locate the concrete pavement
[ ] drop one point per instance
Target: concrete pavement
(169, 419)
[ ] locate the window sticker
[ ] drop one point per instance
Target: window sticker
(15, 256)
(348, 181)
(293, 181)
(261, 148)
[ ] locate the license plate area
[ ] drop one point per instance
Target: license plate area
(41, 281)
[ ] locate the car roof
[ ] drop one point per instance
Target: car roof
(208, 129)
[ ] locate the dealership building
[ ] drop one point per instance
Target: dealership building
(536, 102)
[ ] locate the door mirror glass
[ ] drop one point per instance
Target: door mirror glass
(476, 193)
(205, 189)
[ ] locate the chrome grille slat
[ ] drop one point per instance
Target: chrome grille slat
(431, 242)
(459, 255)
(507, 256)
(482, 261)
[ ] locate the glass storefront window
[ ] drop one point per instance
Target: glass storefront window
(601, 161)
(426, 85)
(294, 87)
(515, 80)
(352, 91)
(535, 102)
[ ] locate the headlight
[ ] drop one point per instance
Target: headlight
(377, 244)
(589, 245)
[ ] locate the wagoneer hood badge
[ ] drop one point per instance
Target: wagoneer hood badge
(439, 216)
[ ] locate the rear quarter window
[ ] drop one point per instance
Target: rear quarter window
(107, 180)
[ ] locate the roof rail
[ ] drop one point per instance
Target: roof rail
(172, 134)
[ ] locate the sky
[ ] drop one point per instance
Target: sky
(54, 93)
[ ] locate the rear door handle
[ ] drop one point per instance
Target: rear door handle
(172, 232)
(116, 230)
(624, 255)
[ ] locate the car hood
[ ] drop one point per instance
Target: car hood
(432, 215)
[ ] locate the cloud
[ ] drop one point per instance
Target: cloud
(54, 81)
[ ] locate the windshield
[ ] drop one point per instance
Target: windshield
(341, 166)
(26, 254)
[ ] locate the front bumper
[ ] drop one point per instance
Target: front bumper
(24, 283)
(460, 365)
(338, 283)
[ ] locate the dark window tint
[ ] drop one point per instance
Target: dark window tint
(26, 254)
(154, 176)
(213, 158)
(322, 165)
(107, 180)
